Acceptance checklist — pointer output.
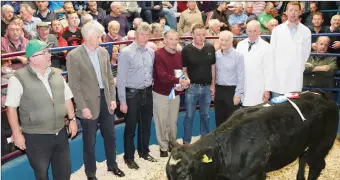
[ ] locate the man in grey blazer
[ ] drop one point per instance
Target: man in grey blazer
(91, 81)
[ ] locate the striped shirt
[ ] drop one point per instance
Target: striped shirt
(230, 70)
(135, 69)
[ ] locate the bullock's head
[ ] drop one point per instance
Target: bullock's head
(187, 163)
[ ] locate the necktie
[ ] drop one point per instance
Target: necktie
(250, 45)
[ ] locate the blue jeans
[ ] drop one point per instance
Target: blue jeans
(193, 94)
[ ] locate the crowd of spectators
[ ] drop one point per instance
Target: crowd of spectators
(60, 22)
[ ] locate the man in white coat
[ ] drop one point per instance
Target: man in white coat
(290, 48)
(256, 70)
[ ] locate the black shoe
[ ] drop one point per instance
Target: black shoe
(163, 153)
(117, 172)
(92, 178)
(131, 164)
(149, 158)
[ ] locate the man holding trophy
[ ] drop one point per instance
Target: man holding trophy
(169, 80)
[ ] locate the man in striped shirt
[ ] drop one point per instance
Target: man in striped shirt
(135, 94)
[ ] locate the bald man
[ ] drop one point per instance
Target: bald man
(255, 52)
(320, 70)
(229, 78)
(266, 16)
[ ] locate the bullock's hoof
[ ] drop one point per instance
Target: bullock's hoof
(149, 158)
(131, 164)
(163, 153)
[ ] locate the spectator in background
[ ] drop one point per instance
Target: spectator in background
(14, 41)
(71, 35)
(238, 17)
(14, 4)
(335, 40)
(7, 13)
(214, 30)
(220, 13)
(321, 69)
(182, 6)
(284, 18)
(30, 22)
(136, 23)
(258, 7)
(162, 21)
(113, 35)
(68, 6)
(130, 10)
(24, 33)
(98, 14)
(57, 29)
(249, 12)
(58, 8)
(290, 46)
(116, 14)
(236, 31)
(188, 18)
(85, 18)
(151, 10)
(43, 12)
(271, 25)
(307, 17)
(43, 30)
(317, 26)
(266, 16)
(157, 32)
(168, 7)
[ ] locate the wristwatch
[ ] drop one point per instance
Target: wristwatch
(72, 119)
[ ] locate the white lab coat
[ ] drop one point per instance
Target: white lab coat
(289, 56)
(255, 70)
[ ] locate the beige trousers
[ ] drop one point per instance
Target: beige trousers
(165, 114)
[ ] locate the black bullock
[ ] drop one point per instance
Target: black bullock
(258, 140)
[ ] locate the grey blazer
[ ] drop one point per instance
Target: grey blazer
(84, 83)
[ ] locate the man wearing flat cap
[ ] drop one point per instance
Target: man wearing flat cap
(43, 31)
(44, 99)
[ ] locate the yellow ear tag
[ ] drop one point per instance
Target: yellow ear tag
(206, 159)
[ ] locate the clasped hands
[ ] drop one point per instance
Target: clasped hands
(185, 83)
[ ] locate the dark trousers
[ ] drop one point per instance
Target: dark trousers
(224, 104)
(139, 111)
(106, 125)
(41, 149)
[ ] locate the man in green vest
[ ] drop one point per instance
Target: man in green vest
(44, 99)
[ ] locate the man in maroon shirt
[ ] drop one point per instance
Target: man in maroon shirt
(165, 109)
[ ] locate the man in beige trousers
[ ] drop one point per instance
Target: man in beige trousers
(165, 109)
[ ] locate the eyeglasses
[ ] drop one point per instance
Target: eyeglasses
(47, 51)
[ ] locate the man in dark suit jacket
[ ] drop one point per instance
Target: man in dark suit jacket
(92, 83)
(151, 10)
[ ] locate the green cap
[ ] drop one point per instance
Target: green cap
(34, 46)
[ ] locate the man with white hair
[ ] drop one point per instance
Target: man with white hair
(255, 52)
(85, 18)
(91, 81)
(134, 81)
(7, 12)
(238, 17)
(30, 22)
(113, 35)
(229, 78)
(116, 14)
(136, 22)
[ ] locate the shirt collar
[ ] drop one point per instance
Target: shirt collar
(48, 11)
(257, 40)
(296, 27)
(47, 71)
(89, 52)
(138, 47)
(228, 51)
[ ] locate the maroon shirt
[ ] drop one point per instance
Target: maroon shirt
(163, 74)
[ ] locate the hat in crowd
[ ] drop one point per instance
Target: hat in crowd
(34, 46)
(43, 24)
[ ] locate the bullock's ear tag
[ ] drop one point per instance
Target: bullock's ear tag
(206, 159)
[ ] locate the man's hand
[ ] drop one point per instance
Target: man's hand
(336, 45)
(212, 91)
(326, 68)
(124, 108)
(19, 140)
(157, 7)
(87, 113)
(113, 105)
(236, 100)
(266, 96)
(73, 128)
(184, 82)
